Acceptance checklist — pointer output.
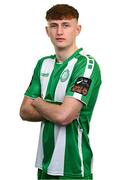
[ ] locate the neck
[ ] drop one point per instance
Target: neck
(63, 53)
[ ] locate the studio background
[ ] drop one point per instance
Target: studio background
(23, 41)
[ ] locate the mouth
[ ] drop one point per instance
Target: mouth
(60, 39)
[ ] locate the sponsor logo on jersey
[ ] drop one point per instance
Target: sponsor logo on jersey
(64, 76)
(82, 85)
(44, 74)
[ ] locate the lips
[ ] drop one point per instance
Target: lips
(60, 39)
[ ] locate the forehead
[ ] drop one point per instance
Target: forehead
(73, 20)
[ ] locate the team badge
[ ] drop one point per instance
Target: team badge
(64, 76)
(82, 85)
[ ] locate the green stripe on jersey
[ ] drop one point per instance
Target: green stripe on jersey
(48, 144)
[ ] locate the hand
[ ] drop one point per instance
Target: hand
(36, 102)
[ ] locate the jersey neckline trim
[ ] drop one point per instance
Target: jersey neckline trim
(69, 58)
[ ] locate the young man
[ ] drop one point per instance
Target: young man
(62, 95)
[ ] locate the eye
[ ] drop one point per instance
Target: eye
(53, 25)
(66, 25)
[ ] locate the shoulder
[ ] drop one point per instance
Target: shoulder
(87, 60)
(87, 66)
(41, 60)
(49, 58)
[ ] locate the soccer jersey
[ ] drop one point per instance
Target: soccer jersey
(65, 150)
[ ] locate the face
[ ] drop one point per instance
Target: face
(63, 32)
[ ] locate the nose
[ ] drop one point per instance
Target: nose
(59, 30)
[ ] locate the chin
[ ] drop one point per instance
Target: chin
(60, 46)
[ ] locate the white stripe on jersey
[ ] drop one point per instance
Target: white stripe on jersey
(80, 149)
(47, 68)
(56, 132)
(40, 154)
(88, 71)
(56, 165)
(61, 86)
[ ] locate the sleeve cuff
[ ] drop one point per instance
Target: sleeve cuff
(78, 97)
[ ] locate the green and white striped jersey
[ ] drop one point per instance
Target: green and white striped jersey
(65, 150)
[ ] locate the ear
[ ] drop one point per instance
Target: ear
(78, 30)
(46, 28)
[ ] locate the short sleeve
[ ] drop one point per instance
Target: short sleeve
(84, 80)
(34, 89)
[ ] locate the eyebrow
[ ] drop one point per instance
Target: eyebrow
(54, 23)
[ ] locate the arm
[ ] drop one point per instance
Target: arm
(62, 114)
(28, 112)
